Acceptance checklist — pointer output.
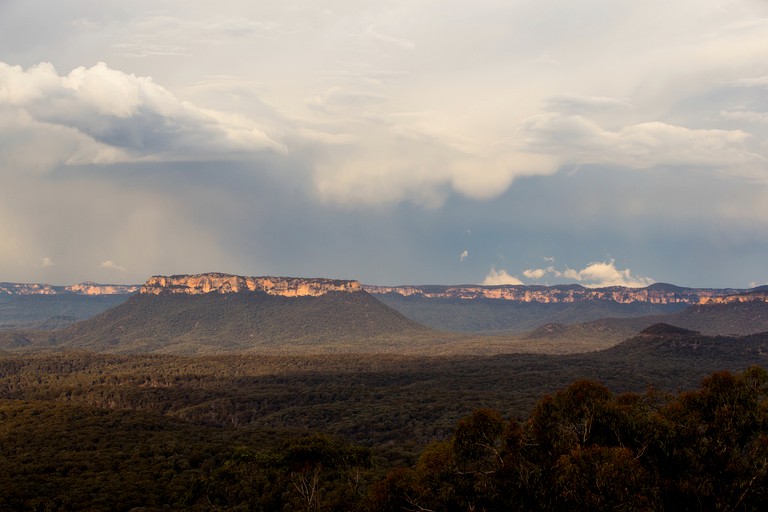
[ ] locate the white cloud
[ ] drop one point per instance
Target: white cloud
(46, 262)
(385, 111)
(464, 255)
(580, 140)
(109, 116)
(537, 273)
(111, 265)
(395, 159)
(500, 277)
(605, 273)
(594, 275)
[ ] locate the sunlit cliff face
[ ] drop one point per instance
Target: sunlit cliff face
(86, 288)
(26, 289)
(312, 287)
(555, 294)
(89, 288)
(730, 299)
(226, 283)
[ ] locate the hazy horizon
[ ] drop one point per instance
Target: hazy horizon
(391, 143)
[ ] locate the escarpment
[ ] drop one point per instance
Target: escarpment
(657, 294)
(226, 283)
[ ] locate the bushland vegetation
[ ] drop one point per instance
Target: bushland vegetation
(582, 447)
(585, 448)
(80, 430)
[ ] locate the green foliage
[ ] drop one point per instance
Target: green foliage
(239, 322)
(108, 432)
(587, 449)
(314, 473)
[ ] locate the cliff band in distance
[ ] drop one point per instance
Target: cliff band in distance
(226, 283)
(654, 294)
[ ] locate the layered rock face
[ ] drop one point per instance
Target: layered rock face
(226, 283)
(89, 288)
(731, 299)
(86, 288)
(572, 293)
(26, 289)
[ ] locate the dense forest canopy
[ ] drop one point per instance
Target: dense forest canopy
(85, 431)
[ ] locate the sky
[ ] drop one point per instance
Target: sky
(399, 142)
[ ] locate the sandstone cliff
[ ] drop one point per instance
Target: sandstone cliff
(654, 294)
(731, 299)
(226, 283)
(86, 288)
(26, 289)
(89, 288)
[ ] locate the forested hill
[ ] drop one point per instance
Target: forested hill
(240, 322)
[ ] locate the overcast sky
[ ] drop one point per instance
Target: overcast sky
(397, 142)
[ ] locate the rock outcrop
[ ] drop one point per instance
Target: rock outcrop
(26, 289)
(86, 288)
(731, 299)
(312, 287)
(89, 288)
(654, 294)
(226, 283)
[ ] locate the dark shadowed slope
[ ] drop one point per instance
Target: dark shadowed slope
(214, 323)
(668, 356)
(52, 311)
(730, 319)
(511, 317)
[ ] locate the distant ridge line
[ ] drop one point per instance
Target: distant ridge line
(658, 293)
(84, 288)
(219, 282)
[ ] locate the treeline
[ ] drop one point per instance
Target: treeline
(587, 449)
(584, 448)
(581, 448)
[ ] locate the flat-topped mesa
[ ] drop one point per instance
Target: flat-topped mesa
(226, 283)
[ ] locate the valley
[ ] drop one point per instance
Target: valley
(220, 313)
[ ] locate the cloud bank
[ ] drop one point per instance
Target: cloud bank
(594, 275)
(105, 116)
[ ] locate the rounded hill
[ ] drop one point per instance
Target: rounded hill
(241, 322)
